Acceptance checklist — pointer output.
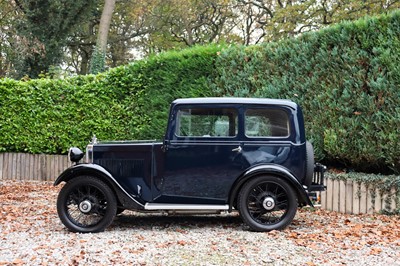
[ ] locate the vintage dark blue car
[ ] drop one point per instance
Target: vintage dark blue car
(218, 155)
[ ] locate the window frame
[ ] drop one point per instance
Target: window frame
(232, 114)
(283, 111)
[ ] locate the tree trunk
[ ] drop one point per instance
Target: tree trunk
(98, 58)
(104, 27)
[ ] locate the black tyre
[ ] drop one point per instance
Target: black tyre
(267, 203)
(86, 205)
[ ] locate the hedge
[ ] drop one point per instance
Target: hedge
(128, 102)
(346, 78)
(48, 116)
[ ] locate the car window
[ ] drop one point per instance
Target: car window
(266, 123)
(207, 122)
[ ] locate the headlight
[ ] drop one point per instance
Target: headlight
(89, 153)
(75, 154)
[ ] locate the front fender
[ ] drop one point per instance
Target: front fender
(269, 169)
(127, 201)
(82, 169)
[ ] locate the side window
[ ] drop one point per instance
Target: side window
(207, 122)
(266, 123)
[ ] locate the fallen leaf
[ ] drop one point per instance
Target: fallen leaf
(375, 251)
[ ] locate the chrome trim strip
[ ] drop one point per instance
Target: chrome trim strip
(234, 142)
(128, 142)
(89, 153)
(168, 206)
(270, 143)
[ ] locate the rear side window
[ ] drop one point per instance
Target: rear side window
(266, 123)
(207, 122)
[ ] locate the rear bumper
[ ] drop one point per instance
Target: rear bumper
(318, 178)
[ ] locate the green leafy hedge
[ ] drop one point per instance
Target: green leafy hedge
(48, 116)
(346, 78)
(129, 102)
(168, 77)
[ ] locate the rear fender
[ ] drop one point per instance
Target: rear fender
(270, 169)
(126, 200)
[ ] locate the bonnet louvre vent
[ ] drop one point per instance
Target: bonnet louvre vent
(123, 167)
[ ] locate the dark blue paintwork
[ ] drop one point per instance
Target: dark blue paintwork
(203, 170)
(206, 170)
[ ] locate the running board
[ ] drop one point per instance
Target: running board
(184, 207)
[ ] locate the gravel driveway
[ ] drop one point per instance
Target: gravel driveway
(31, 233)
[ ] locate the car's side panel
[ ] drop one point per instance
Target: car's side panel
(131, 165)
(127, 200)
(287, 154)
(198, 172)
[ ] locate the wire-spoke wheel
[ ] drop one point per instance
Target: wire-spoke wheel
(267, 203)
(86, 205)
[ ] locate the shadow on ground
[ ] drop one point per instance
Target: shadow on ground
(130, 220)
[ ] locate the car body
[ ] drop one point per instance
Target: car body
(218, 155)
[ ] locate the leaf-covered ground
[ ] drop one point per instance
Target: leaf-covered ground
(31, 233)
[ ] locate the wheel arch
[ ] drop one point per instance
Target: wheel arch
(275, 170)
(97, 171)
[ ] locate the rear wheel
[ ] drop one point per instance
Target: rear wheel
(86, 205)
(267, 203)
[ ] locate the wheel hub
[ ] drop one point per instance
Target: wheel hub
(269, 203)
(85, 206)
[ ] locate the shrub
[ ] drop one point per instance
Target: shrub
(48, 116)
(128, 102)
(347, 80)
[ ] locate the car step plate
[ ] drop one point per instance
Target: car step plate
(168, 206)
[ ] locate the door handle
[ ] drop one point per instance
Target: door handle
(164, 147)
(238, 149)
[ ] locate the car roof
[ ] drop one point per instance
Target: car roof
(236, 100)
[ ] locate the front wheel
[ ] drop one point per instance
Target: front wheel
(86, 205)
(267, 203)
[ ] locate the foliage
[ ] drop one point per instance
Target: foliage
(273, 20)
(36, 34)
(193, 22)
(7, 33)
(97, 62)
(43, 31)
(129, 102)
(50, 115)
(167, 77)
(345, 77)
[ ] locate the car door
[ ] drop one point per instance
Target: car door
(201, 156)
(267, 137)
